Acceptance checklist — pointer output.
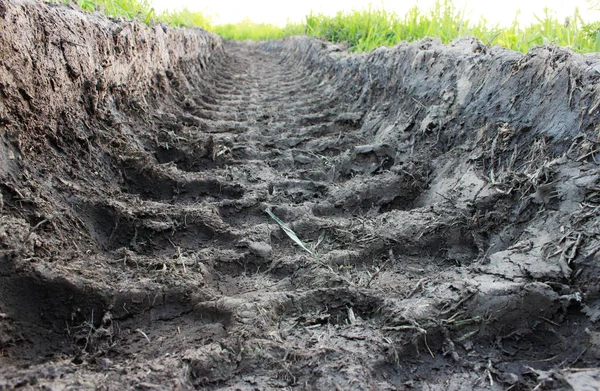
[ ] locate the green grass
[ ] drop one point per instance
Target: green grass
(185, 18)
(247, 29)
(367, 29)
(129, 9)
(370, 28)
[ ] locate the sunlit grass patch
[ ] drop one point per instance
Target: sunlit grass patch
(247, 29)
(185, 18)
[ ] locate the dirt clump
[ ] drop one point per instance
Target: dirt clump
(179, 212)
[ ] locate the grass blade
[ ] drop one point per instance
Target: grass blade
(292, 235)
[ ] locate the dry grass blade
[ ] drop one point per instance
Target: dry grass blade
(289, 232)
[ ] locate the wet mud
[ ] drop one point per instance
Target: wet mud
(180, 212)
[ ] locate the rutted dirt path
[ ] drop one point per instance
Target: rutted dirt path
(446, 198)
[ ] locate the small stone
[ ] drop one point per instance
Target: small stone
(105, 363)
(261, 249)
(303, 159)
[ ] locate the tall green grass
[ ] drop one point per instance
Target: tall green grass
(367, 29)
(370, 28)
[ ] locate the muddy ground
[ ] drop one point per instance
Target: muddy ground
(447, 198)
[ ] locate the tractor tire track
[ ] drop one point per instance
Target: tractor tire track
(450, 235)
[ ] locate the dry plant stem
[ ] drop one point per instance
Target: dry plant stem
(383, 267)
(143, 334)
(46, 220)
(414, 290)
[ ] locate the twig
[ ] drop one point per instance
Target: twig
(382, 268)
(114, 230)
(575, 360)
(595, 151)
(427, 345)
(46, 220)
(179, 255)
(405, 328)
(464, 299)
(549, 321)
(412, 292)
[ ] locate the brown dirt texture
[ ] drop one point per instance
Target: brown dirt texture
(178, 212)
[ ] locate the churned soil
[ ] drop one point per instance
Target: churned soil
(179, 212)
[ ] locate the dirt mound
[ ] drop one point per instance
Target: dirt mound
(178, 212)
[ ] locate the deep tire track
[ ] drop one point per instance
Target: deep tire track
(136, 250)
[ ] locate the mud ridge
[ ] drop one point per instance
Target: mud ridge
(447, 199)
